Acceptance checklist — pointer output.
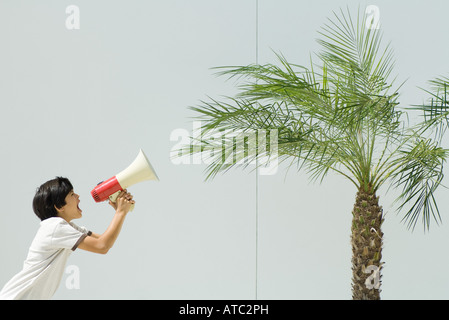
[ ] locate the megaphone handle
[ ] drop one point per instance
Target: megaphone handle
(113, 198)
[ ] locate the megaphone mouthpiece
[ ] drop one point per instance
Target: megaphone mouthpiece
(105, 188)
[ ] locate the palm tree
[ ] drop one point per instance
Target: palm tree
(340, 115)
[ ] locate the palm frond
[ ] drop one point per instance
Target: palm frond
(419, 173)
(352, 53)
(436, 109)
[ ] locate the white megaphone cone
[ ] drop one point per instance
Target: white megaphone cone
(138, 171)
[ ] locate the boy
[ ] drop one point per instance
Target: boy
(56, 204)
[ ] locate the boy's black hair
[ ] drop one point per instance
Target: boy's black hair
(50, 194)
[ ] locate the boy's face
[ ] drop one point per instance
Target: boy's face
(71, 209)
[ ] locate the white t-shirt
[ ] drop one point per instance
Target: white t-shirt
(44, 266)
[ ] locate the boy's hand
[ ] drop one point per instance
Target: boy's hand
(123, 202)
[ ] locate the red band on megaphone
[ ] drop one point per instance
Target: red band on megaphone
(102, 191)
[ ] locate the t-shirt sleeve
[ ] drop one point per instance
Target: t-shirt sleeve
(81, 229)
(67, 236)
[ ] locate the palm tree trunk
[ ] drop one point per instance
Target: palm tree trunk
(366, 240)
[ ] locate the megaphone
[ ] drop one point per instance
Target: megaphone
(139, 170)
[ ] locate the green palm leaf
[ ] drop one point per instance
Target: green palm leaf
(436, 109)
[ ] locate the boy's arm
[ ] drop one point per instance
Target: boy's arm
(95, 235)
(102, 243)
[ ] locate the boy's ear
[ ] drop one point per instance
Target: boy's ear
(59, 210)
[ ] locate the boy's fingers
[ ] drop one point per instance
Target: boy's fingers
(122, 193)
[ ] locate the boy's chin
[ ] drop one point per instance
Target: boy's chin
(77, 215)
